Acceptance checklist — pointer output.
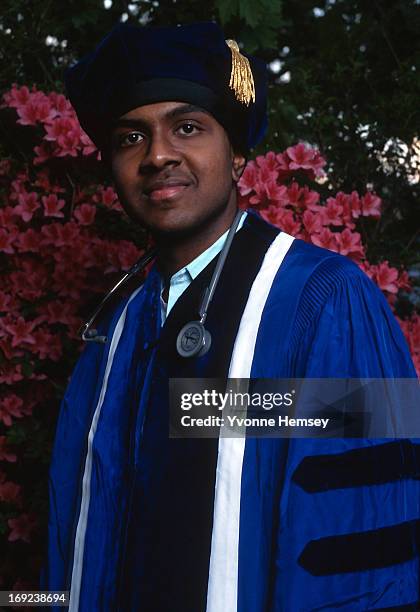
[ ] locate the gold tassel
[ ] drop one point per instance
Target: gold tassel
(241, 78)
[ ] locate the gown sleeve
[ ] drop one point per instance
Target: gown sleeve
(345, 329)
(349, 508)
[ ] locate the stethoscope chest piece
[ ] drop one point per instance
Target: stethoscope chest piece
(193, 340)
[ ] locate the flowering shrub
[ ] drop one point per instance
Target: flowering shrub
(63, 235)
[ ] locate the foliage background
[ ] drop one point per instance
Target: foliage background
(344, 77)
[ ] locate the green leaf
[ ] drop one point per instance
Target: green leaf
(16, 434)
(251, 11)
(227, 9)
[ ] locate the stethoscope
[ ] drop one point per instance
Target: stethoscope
(194, 340)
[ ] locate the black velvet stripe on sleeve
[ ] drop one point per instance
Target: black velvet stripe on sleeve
(366, 466)
(362, 551)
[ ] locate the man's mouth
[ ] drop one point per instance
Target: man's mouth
(166, 193)
(168, 189)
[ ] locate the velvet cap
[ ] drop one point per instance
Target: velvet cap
(134, 66)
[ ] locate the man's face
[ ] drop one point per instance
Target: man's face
(175, 169)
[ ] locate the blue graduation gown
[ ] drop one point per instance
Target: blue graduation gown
(138, 522)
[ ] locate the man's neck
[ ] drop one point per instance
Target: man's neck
(174, 254)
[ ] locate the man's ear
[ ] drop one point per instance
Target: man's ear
(238, 166)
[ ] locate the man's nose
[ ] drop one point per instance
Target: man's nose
(160, 152)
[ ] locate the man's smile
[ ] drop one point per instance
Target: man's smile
(170, 192)
(166, 188)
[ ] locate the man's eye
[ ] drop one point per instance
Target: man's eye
(132, 138)
(188, 128)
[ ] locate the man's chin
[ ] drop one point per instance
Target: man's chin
(173, 232)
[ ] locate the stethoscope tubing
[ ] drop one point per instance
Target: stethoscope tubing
(91, 335)
(88, 334)
(209, 292)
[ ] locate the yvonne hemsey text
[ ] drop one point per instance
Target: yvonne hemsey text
(236, 421)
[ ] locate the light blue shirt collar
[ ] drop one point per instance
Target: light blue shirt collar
(182, 279)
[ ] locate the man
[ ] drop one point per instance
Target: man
(139, 521)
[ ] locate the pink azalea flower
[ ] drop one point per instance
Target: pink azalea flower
(88, 147)
(247, 181)
(10, 373)
(8, 350)
(368, 269)
(61, 126)
(95, 252)
(289, 224)
(5, 454)
(276, 193)
(284, 219)
(387, 277)
(19, 329)
(371, 205)
(60, 312)
(22, 527)
(349, 243)
(293, 194)
(108, 196)
(43, 153)
(43, 181)
(53, 206)
(272, 214)
(268, 162)
(309, 199)
(51, 234)
(266, 175)
(18, 187)
(34, 376)
(69, 234)
(332, 213)
(5, 301)
(60, 235)
(404, 282)
(29, 241)
(47, 345)
(17, 96)
(260, 197)
(267, 167)
(30, 281)
(283, 166)
(354, 204)
(69, 280)
(68, 144)
(10, 492)
(10, 405)
(66, 133)
(345, 201)
(326, 239)
(128, 254)
(28, 204)
(85, 214)
(312, 222)
(36, 110)
(110, 254)
(6, 242)
(301, 156)
(306, 158)
(411, 330)
(6, 216)
(61, 104)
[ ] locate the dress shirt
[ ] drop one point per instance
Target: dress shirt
(181, 279)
